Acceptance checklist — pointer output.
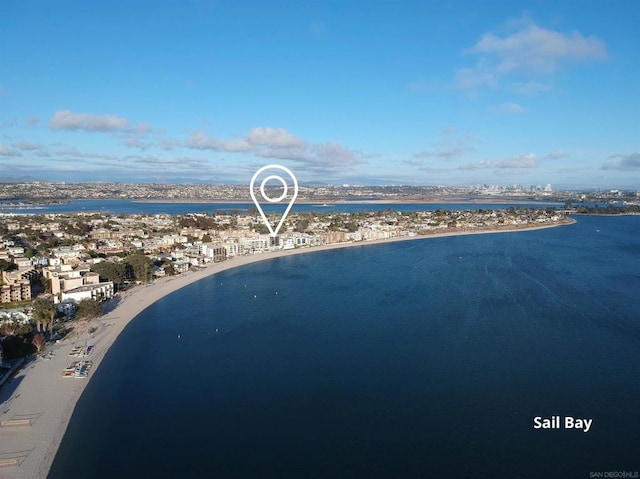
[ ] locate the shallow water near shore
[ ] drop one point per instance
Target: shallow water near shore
(413, 359)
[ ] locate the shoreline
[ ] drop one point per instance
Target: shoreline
(39, 392)
(342, 202)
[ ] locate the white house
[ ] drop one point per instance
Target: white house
(100, 291)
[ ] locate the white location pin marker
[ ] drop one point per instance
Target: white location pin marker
(283, 196)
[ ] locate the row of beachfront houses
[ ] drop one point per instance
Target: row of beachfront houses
(67, 269)
(234, 245)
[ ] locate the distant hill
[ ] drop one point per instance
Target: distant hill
(20, 179)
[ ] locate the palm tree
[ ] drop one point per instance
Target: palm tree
(51, 316)
(43, 313)
(37, 316)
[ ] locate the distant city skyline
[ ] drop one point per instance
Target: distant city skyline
(378, 92)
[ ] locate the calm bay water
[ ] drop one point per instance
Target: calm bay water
(420, 359)
(134, 207)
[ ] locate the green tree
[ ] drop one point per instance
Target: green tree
(46, 284)
(88, 309)
(352, 227)
(44, 312)
(141, 266)
(6, 266)
(15, 347)
(302, 225)
(169, 269)
(116, 272)
(261, 228)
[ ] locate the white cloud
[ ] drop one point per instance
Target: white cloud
(136, 143)
(516, 61)
(9, 123)
(26, 146)
(75, 153)
(530, 88)
(539, 50)
(334, 155)
(321, 158)
(141, 129)
(174, 161)
(68, 120)
(255, 139)
(280, 144)
(625, 162)
(451, 145)
(237, 145)
(474, 78)
(523, 161)
(4, 151)
(273, 137)
(415, 163)
(169, 144)
(511, 108)
(31, 122)
(201, 140)
(556, 155)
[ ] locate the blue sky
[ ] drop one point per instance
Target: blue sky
(359, 92)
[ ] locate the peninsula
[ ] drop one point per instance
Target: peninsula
(70, 258)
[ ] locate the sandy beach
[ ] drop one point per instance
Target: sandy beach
(41, 395)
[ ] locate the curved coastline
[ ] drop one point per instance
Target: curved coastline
(40, 391)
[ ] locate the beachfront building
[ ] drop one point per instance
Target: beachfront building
(16, 286)
(305, 239)
(354, 236)
(98, 291)
(181, 266)
(66, 279)
(256, 244)
(16, 292)
(331, 237)
(233, 247)
(377, 233)
(213, 252)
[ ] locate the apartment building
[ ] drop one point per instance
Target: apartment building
(213, 251)
(73, 282)
(96, 291)
(16, 286)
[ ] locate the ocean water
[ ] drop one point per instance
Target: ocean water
(418, 359)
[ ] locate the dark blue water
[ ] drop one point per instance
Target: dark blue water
(133, 207)
(418, 359)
